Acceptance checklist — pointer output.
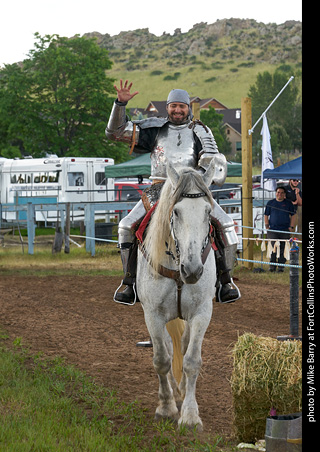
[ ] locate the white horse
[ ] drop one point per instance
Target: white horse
(176, 277)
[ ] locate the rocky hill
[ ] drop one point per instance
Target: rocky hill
(218, 60)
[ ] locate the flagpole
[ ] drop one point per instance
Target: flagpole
(290, 79)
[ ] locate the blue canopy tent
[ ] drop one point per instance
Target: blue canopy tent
(289, 170)
(141, 166)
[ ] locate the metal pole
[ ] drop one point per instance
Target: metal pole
(294, 294)
(90, 227)
(290, 79)
(294, 291)
(31, 226)
(67, 230)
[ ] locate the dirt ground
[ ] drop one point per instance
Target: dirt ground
(76, 317)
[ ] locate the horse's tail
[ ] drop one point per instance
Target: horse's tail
(175, 329)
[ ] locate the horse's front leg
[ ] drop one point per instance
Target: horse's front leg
(167, 407)
(191, 367)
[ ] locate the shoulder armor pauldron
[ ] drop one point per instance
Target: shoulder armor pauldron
(150, 122)
(205, 136)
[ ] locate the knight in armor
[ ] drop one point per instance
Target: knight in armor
(183, 142)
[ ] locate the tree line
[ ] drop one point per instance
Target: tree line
(58, 100)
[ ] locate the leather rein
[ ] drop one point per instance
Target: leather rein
(175, 274)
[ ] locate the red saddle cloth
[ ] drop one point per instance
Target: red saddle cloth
(144, 223)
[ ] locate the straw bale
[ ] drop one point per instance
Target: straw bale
(267, 373)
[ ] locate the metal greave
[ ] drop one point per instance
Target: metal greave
(128, 224)
(226, 235)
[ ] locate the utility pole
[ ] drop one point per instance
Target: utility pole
(247, 206)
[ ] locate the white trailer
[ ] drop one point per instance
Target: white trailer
(52, 180)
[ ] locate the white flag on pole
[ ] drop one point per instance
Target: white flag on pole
(267, 162)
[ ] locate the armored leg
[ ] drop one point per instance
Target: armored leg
(227, 242)
(128, 251)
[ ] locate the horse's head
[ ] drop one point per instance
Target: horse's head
(190, 218)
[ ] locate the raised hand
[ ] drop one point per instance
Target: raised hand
(124, 94)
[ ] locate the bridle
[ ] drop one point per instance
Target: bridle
(207, 243)
(175, 274)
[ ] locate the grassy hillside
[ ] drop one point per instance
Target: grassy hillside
(220, 60)
(228, 87)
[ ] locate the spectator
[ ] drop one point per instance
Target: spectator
(279, 218)
(294, 193)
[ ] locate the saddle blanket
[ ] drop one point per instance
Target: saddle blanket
(141, 229)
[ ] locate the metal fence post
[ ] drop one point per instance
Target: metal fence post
(294, 293)
(31, 226)
(294, 290)
(90, 229)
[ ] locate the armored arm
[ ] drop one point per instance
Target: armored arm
(210, 152)
(119, 127)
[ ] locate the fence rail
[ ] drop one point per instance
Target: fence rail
(89, 209)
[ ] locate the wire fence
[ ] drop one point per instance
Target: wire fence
(255, 239)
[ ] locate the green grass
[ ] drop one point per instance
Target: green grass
(15, 260)
(41, 231)
(47, 405)
(107, 262)
(228, 87)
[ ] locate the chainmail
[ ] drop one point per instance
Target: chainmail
(151, 195)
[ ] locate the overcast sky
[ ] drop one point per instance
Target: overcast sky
(20, 19)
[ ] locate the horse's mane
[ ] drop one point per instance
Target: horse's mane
(158, 234)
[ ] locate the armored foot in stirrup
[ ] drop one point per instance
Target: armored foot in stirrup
(128, 296)
(228, 293)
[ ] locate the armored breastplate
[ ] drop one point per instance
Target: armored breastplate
(176, 144)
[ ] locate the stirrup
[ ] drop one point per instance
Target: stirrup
(144, 344)
(123, 302)
(218, 296)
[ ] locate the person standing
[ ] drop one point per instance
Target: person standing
(279, 219)
(294, 194)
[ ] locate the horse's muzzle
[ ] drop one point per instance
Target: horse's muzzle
(190, 275)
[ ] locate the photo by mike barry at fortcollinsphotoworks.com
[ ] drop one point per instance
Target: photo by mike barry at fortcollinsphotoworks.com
(309, 339)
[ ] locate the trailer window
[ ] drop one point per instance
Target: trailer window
(53, 176)
(76, 179)
(36, 178)
(20, 178)
(100, 178)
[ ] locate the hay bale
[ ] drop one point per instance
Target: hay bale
(266, 373)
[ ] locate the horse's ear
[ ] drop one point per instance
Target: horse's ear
(209, 174)
(172, 173)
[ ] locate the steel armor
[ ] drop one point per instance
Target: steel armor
(180, 145)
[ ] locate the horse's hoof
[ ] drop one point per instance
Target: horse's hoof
(192, 424)
(172, 415)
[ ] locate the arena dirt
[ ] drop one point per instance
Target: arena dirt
(76, 317)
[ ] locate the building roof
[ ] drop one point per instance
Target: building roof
(231, 116)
